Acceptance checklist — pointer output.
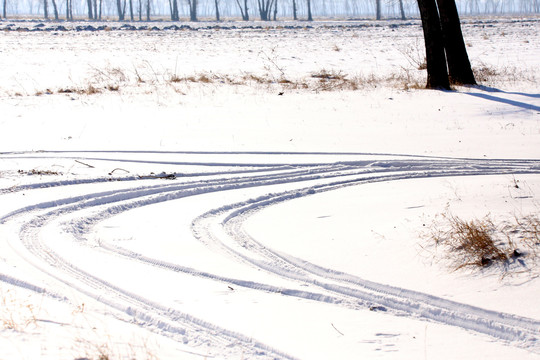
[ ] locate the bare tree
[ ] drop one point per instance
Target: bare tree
(121, 10)
(45, 9)
(192, 9)
(378, 9)
(4, 11)
(294, 10)
(243, 10)
(459, 66)
(131, 14)
(265, 6)
(90, 9)
(147, 10)
(69, 10)
(437, 74)
(309, 15)
(216, 3)
(446, 55)
(402, 10)
(55, 9)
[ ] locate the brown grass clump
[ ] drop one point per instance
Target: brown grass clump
(471, 242)
(480, 243)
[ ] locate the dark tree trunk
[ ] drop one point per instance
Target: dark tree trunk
(69, 11)
(100, 7)
(437, 74)
(309, 15)
(459, 66)
(243, 10)
(275, 10)
(120, 10)
(294, 10)
(216, 3)
(55, 9)
(90, 12)
(378, 9)
(45, 9)
(402, 10)
(175, 10)
(265, 6)
(193, 10)
(140, 10)
(4, 10)
(131, 12)
(95, 10)
(147, 10)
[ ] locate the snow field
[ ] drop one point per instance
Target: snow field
(195, 220)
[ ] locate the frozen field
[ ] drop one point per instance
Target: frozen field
(261, 190)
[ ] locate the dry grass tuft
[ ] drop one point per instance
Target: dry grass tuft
(480, 243)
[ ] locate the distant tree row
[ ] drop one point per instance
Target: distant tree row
(146, 10)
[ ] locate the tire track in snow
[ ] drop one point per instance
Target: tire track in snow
(346, 289)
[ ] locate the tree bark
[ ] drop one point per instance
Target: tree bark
(131, 13)
(45, 9)
(193, 10)
(437, 73)
(90, 12)
(4, 10)
(55, 9)
(120, 10)
(459, 66)
(402, 10)
(147, 10)
(295, 10)
(69, 13)
(310, 16)
(216, 3)
(378, 9)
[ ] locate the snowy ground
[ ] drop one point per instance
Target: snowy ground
(260, 191)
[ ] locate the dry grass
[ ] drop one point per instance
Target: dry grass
(16, 314)
(479, 243)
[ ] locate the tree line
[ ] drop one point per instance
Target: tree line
(146, 10)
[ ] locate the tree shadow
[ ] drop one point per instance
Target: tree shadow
(520, 104)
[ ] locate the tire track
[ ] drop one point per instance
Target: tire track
(302, 180)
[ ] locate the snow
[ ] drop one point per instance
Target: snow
(166, 216)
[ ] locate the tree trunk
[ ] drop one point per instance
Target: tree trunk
(294, 10)
(4, 11)
(275, 10)
(45, 9)
(378, 9)
(90, 13)
(140, 10)
(120, 10)
(175, 10)
(55, 9)
(147, 10)
(402, 10)
(69, 12)
(459, 66)
(243, 10)
(131, 13)
(192, 10)
(264, 9)
(100, 7)
(309, 15)
(95, 10)
(437, 74)
(216, 3)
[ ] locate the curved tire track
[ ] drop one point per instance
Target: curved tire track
(303, 180)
